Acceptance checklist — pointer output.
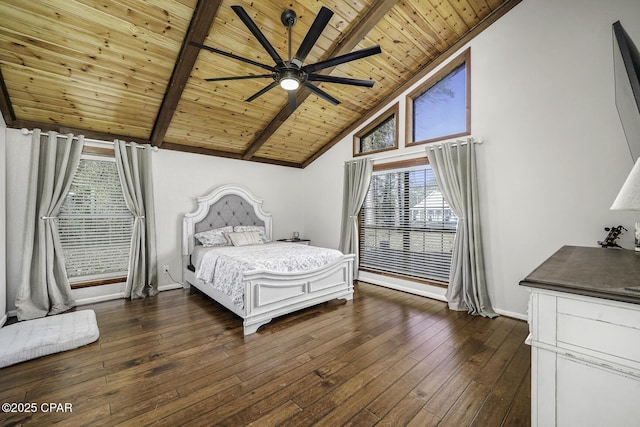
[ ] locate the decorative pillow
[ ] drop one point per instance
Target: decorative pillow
(215, 237)
(258, 228)
(245, 238)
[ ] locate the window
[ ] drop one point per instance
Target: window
(406, 226)
(441, 108)
(380, 135)
(95, 224)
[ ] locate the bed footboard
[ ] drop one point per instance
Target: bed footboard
(268, 295)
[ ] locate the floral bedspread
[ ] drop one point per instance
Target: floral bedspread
(222, 267)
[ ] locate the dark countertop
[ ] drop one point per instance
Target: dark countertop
(596, 272)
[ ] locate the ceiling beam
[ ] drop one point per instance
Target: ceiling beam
(6, 108)
(203, 15)
(225, 154)
(417, 76)
(369, 20)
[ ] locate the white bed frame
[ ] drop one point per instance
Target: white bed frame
(266, 294)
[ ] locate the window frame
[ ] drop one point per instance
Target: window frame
(394, 110)
(391, 166)
(463, 58)
(105, 154)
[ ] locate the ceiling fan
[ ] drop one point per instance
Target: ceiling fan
(291, 74)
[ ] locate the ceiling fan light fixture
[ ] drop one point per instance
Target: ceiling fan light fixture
(289, 83)
(289, 80)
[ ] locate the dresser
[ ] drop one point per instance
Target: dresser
(584, 317)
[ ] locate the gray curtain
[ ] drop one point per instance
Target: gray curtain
(357, 177)
(454, 167)
(44, 287)
(134, 169)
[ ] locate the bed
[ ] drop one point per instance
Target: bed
(266, 289)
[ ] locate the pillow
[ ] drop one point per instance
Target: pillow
(245, 238)
(215, 237)
(259, 228)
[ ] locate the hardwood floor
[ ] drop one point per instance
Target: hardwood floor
(386, 358)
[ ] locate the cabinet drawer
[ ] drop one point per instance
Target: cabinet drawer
(618, 313)
(599, 328)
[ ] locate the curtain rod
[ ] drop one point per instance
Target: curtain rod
(461, 142)
(30, 132)
(422, 150)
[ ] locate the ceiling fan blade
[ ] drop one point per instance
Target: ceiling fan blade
(293, 100)
(258, 76)
(319, 24)
(348, 57)
(340, 80)
(261, 92)
(231, 55)
(244, 17)
(322, 94)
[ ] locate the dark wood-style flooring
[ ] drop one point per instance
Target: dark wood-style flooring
(386, 358)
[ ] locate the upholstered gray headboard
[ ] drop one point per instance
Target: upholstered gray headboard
(224, 206)
(232, 210)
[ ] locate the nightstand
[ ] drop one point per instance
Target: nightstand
(300, 241)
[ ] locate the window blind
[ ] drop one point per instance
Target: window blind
(95, 224)
(406, 226)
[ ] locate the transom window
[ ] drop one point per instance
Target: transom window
(406, 226)
(441, 108)
(379, 135)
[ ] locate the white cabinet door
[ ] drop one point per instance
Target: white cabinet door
(590, 395)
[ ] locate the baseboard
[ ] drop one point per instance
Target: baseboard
(101, 298)
(512, 314)
(400, 287)
(3, 320)
(170, 287)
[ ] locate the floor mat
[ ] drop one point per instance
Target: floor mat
(39, 337)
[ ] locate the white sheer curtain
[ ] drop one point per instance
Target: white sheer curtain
(44, 288)
(357, 177)
(454, 166)
(134, 169)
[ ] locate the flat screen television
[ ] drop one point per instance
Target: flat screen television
(626, 67)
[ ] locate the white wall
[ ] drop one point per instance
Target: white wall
(555, 155)
(3, 225)
(178, 179)
(323, 181)
(181, 177)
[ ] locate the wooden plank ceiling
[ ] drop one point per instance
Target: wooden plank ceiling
(125, 69)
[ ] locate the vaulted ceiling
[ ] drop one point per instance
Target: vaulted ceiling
(126, 69)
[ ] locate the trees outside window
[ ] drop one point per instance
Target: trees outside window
(380, 135)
